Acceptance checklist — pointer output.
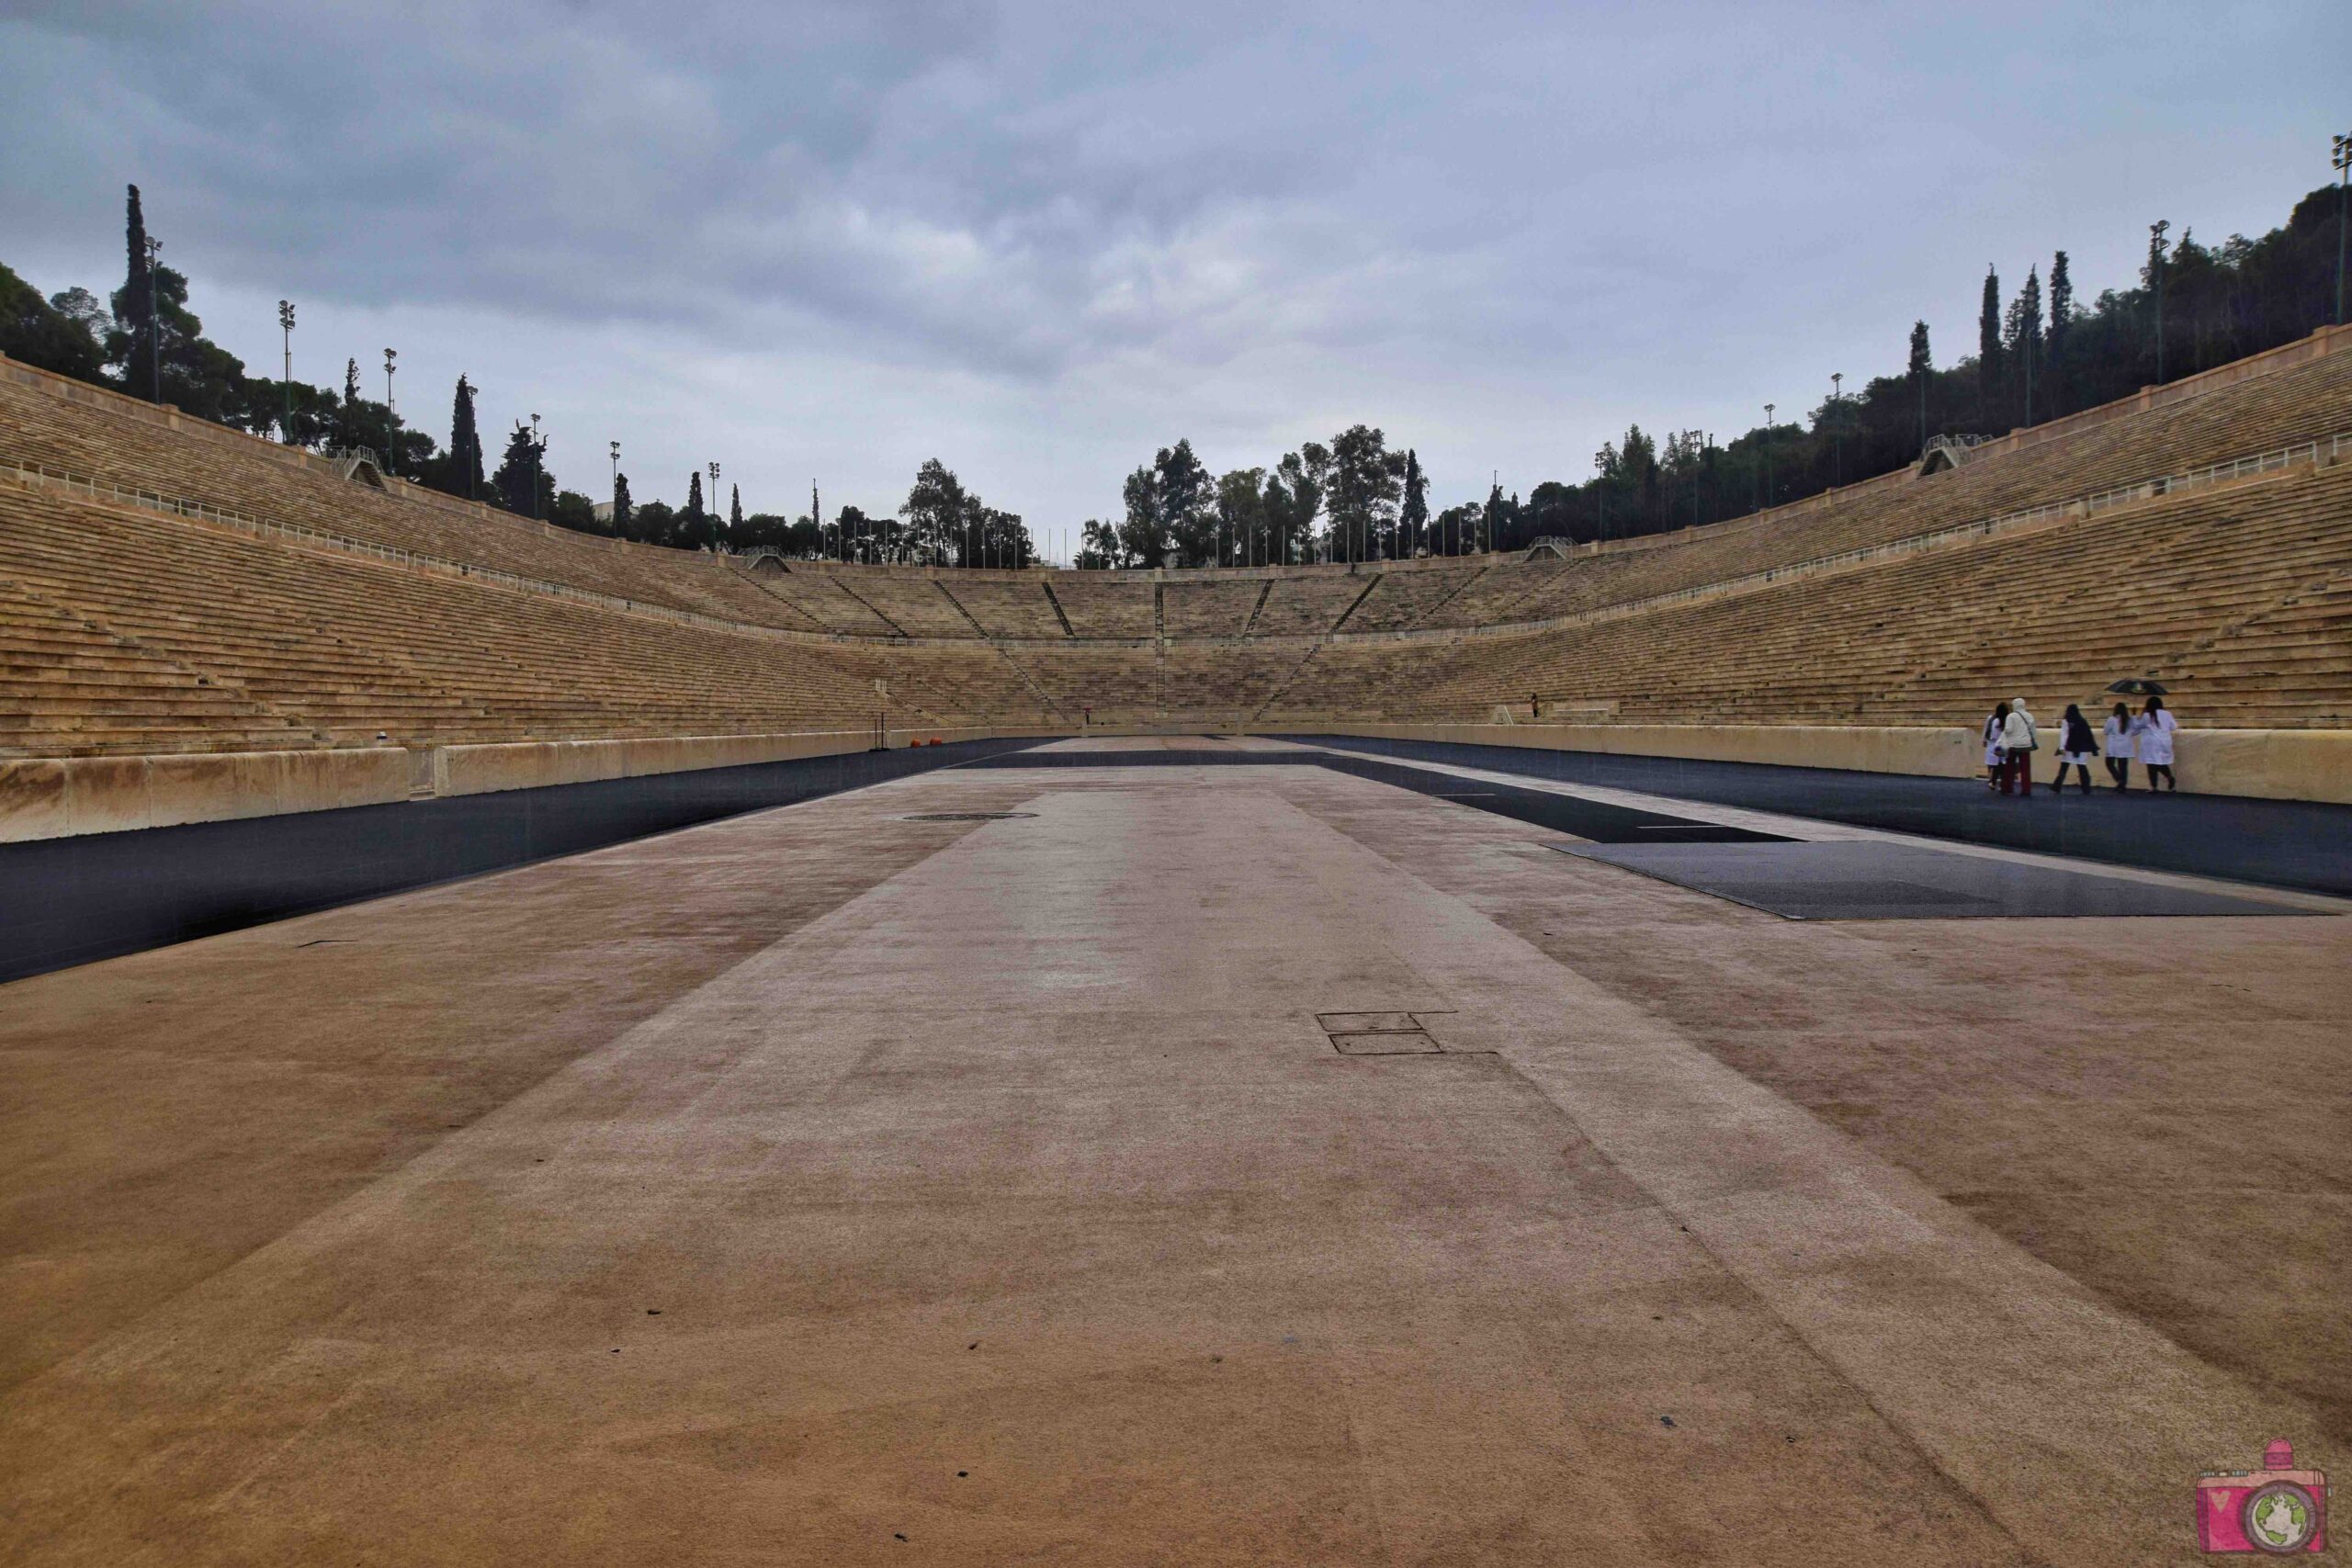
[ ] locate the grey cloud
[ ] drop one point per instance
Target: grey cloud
(1088, 231)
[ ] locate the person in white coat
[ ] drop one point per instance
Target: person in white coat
(2019, 737)
(1995, 764)
(2115, 740)
(2151, 735)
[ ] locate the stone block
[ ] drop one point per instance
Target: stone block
(107, 794)
(32, 799)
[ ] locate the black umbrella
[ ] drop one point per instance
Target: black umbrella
(2132, 686)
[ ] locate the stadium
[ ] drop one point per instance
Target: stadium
(527, 1045)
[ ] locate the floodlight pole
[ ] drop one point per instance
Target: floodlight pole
(1767, 453)
(1837, 430)
(535, 467)
(2156, 263)
(714, 503)
(391, 424)
(286, 384)
(154, 326)
(616, 473)
(2343, 177)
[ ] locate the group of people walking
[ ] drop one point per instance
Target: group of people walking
(2011, 737)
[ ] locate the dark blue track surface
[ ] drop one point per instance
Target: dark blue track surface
(2286, 843)
(66, 901)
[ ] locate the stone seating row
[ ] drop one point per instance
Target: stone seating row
(2236, 596)
(97, 437)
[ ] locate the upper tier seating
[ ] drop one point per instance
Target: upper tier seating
(1405, 597)
(2305, 402)
(912, 603)
(1104, 604)
(1313, 602)
(1000, 606)
(222, 469)
(2235, 596)
(1209, 609)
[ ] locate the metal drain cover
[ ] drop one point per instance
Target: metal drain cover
(1384, 1033)
(967, 816)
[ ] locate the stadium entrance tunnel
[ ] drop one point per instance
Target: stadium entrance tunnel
(74, 900)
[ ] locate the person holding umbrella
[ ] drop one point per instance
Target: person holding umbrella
(2116, 737)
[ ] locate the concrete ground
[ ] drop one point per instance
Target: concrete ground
(832, 1186)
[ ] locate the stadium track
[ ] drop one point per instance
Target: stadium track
(986, 1166)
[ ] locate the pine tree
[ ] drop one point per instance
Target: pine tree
(521, 471)
(465, 444)
(622, 511)
(1988, 344)
(1364, 492)
(138, 294)
(1923, 366)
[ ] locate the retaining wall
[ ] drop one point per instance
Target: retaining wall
(61, 797)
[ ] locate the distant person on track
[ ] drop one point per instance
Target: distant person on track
(2077, 746)
(2116, 738)
(1995, 764)
(2151, 735)
(2020, 738)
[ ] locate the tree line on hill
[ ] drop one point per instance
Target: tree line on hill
(2039, 354)
(142, 339)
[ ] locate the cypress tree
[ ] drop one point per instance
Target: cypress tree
(347, 433)
(1922, 365)
(2062, 316)
(621, 507)
(2062, 303)
(1413, 516)
(138, 294)
(465, 444)
(735, 509)
(1988, 343)
(2028, 335)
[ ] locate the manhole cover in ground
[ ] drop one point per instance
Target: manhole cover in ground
(968, 816)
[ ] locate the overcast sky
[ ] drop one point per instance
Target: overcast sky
(1040, 241)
